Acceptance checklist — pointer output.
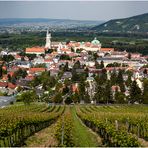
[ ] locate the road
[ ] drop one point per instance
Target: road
(5, 100)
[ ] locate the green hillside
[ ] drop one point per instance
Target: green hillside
(134, 24)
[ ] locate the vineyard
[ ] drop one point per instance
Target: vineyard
(72, 126)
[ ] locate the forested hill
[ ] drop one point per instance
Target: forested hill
(134, 24)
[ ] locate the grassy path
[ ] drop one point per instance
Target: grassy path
(83, 136)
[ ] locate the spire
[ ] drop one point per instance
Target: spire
(47, 32)
(48, 40)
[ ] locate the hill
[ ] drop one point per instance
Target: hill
(46, 21)
(133, 24)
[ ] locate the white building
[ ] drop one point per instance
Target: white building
(48, 40)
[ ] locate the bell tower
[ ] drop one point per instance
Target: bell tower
(48, 40)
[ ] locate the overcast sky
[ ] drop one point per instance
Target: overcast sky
(80, 10)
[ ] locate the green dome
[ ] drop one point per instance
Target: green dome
(95, 41)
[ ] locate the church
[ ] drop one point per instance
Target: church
(40, 50)
(61, 47)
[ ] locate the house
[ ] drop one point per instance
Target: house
(3, 85)
(106, 50)
(66, 75)
(18, 57)
(36, 70)
(35, 50)
(75, 88)
(23, 64)
(54, 72)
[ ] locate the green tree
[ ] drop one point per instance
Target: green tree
(28, 97)
(75, 97)
(68, 100)
(129, 55)
(97, 65)
(108, 93)
(145, 92)
(99, 95)
(58, 98)
(119, 97)
(135, 93)
(113, 77)
(102, 64)
(120, 81)
(103, 77)
(66, 68)
(129, 80)
(87, 98)
(77, 65)
(1, 71)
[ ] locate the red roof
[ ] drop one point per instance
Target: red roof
(65, 49)
(107, 49)
(4, 68)
(11, 73)
(40, 69)
(29, 77)
(47, 60)
(35, 49)
(75, 88)
(5, 77)
(12, 86)
(115, 88)
(88, 44)
(18, 56)
(3, 84)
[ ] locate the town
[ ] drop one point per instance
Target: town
(74, 72)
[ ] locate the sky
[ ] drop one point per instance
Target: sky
(77, 10)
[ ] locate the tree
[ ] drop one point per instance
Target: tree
(102, 64)
(58, 98)
(103, 77)
(113, 78)
(135, 93)
(129, 55)
(65, 90)
(66, 68)
(1, 71)
(99, 95)
(58, 87)
(129, 80)
(95, 56)
(82, 90)
(145, 92)
(75, 97)
(28, 97)
(20, 73)
(119, 97)
(77, 65)
(65, 57)
(145, 72)
(120, 81)
(87, 98)
(68, 100)
(108, 93)
(7, 58)
(97, 65)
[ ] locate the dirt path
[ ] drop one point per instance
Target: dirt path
(43, 138)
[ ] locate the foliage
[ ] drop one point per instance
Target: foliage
(19, 122)
(135, 93)
(27, 97)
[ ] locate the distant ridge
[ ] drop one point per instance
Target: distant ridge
(138, 23)
(19, 21)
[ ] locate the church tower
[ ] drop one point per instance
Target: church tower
(48, 40)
